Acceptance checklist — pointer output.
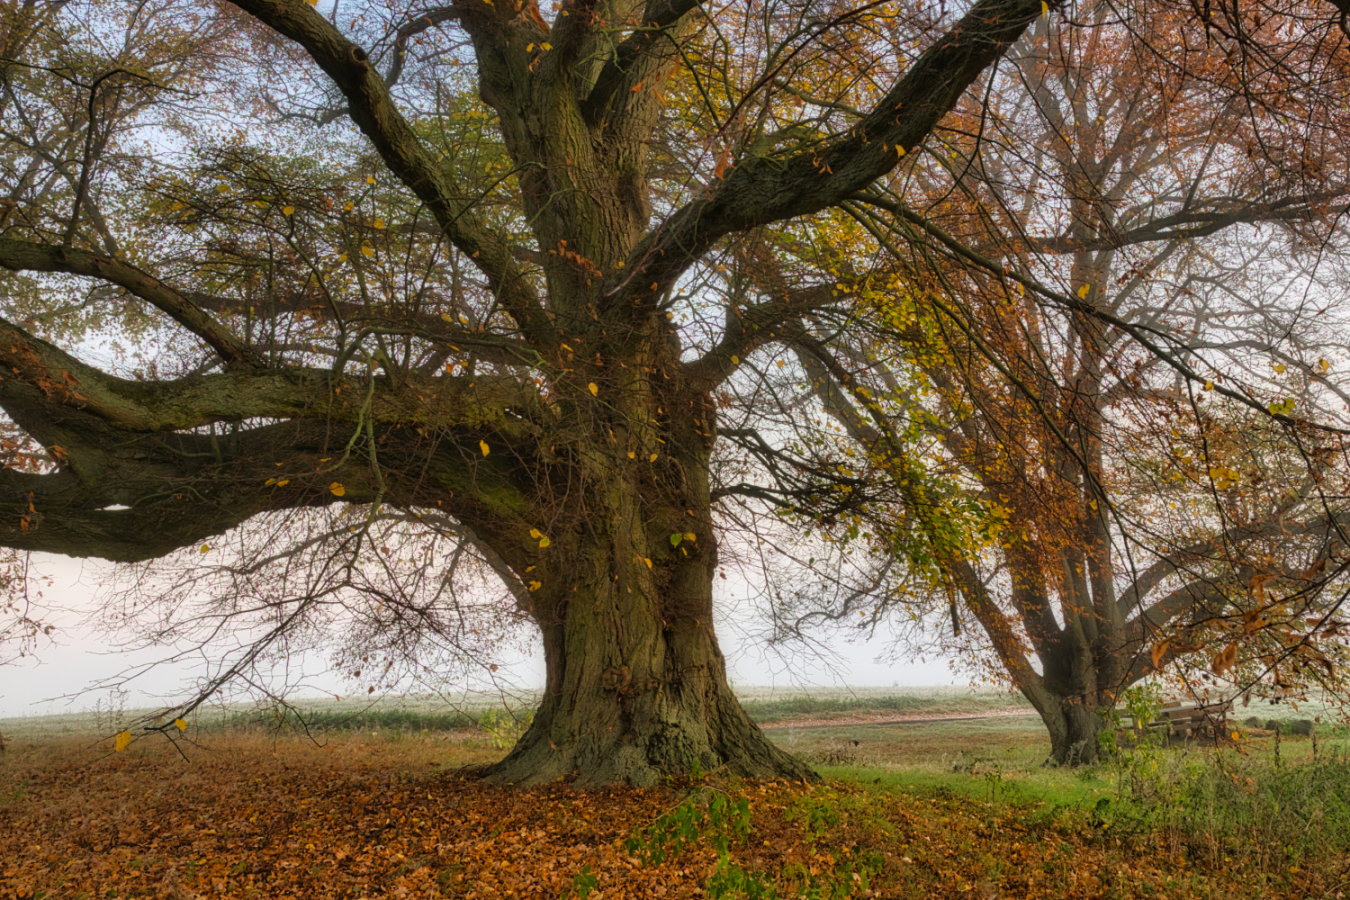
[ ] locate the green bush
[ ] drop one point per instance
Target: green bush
(1233, 804)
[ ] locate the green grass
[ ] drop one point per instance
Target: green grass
(801, 707)
(393, 720)
(428, 712)
(1291, 808)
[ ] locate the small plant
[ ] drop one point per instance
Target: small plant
(731, 881)
(727, 820)
(584, 882)
(816, 814)
(504, 727)
(110, 712)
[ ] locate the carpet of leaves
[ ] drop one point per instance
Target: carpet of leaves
(378, 819)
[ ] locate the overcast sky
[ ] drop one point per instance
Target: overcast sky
(59, 678)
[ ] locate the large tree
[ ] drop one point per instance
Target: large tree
(218, 312)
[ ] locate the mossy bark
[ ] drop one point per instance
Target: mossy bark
(636, 685)
(1075, 728)
(634, 699)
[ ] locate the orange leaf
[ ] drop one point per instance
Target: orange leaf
(1159, 650)
(721, 166)
(1224, 659)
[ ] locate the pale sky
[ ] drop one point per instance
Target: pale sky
(58, 678)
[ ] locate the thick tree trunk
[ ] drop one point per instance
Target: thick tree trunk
(633, 698)
(636, 686)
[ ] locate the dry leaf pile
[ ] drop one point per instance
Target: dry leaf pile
(368, 819)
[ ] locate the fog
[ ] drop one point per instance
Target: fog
(77, 668)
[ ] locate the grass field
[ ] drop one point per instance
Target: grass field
(429, 712)
(945, 808)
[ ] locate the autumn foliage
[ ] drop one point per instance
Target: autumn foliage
(284, 818)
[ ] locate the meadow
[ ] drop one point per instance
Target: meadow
(919, 800)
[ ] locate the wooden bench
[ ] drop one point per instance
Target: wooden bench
(1185, 719)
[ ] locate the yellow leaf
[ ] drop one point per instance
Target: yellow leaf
(337, 489)
(1083, 291)
(180, 724)
(287, 210)
(529, 47)
(781, 363)
(1045, 9)
(484, 447)
(367, 250)
(283, 482)
(121, 742)
(1209, 385)
(348, 206)
(735, 360)
(595, 391)
(544, 542)
(536, 533)
(379, 223)
(652, 458)
(342, 258)
(1323, 365)
(899, 151)
(632, 455)
(546, 46)
(370, 179)
(691, 536)
(269, 482)
(1159, 650)
(647, 561)
(1279, 368)
(535, 585)
(206, 547)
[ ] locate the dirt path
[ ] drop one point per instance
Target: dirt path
(891, 719)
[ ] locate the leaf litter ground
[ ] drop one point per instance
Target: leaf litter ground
(361, 817)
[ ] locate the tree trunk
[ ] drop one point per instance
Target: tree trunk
(633, 697)
(636, 686)
(1075, 724)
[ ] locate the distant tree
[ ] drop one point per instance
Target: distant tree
(1099, 355)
